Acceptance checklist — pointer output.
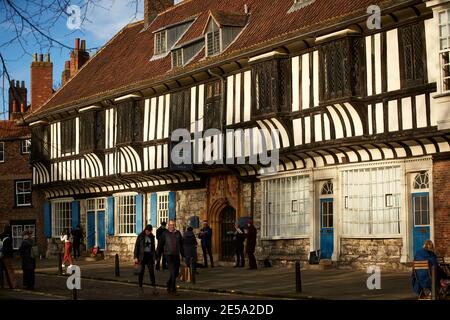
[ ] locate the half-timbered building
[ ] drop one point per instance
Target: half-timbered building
(353, 96)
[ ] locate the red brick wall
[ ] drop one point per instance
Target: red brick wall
(17, 167)
(441, 193)
(41, 83)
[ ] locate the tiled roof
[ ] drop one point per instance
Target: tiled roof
(9, 130)
(125, 61)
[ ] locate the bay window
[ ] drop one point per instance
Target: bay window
(371, 201)
(286, 207)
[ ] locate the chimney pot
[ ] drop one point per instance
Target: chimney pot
(83, 45)
(67, 65)
(22, 108)
(23, 84)
(17, 84)
(245, 9)
(14, 106)
(77, 43)
(35, 57)
(41, 57)
(47, 57)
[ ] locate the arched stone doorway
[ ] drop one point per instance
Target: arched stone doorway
(227, 220)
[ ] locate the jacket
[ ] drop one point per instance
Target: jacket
(139, 246)
(251, 239)
(423, 280)
(239, 238)
(205, 235)
(7, 245)
(159, 232)
(171, 244)
(190, 244)
(28, 262)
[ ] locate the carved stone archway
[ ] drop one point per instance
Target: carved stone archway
(223, 191)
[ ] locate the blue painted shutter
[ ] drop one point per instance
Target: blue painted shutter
(47, 220)
(139, 213)
(110, 216)
(153, 210)
(75, 214)
(172, 205)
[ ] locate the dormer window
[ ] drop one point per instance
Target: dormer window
(222, 30)
(177, 58)
(161, 42)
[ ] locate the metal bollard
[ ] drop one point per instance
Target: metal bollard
(192, 271)
(433, 283)
(74, 294)
(298, 277)
(60, 271)
(116, 266)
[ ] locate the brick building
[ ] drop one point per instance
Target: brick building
(20, 206)
(358, 113)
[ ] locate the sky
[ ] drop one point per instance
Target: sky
(104, 18)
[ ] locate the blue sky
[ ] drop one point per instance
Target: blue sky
(103, 21)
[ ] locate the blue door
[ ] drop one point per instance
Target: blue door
(101, 230)
(421, 219)
(90, 229)
(326, 228)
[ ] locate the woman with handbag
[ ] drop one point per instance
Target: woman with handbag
(28, 260)
(144, 256)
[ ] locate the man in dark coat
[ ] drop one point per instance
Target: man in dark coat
(171, 245)
(206, 238)
(77, 236)
(7, 257)
(251, 245)
(190, 248)
(238, 240)
(144, 255)
(28, 260)
(159, 232)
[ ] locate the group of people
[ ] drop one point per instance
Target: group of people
(27, 254)
(172, 244)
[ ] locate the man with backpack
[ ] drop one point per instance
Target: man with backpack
(6, 257)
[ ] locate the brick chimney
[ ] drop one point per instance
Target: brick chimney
(153, 7)
(78, 57)
(17, 99)
(41, 80)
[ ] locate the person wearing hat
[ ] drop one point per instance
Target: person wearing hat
(206, 239)
(144, 256)
(28, 260)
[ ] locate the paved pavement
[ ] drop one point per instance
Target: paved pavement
(235, 283)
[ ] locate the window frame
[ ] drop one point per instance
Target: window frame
(160, 47)
(67, 220)
(415, 81)
(25, 146)
(2, 152)
(353, 211)
(271, 202)
(444, 51)
(24, 225)
(162, 207)
(216, 42)
(176, 55)
(123, 225)
(68, 137)
(17, 194)
(213, 104)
